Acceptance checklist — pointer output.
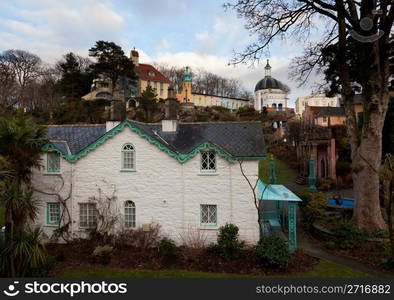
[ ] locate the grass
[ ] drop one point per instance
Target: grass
(2, 212)
(324, 269)
(284, 175)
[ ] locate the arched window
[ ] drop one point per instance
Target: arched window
(128, 158)
(129, 214)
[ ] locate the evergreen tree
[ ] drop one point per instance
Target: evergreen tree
(111, 62)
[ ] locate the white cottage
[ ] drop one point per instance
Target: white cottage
(185, 177)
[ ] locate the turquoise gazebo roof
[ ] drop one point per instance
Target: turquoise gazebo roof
(275, 192)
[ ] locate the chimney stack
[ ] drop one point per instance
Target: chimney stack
(134, 56)
(170, 122)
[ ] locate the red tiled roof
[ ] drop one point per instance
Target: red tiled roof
(143, 71)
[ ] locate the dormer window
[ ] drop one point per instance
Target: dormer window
(53, 162)
(208, 162)
(151, 73)
(128, 158)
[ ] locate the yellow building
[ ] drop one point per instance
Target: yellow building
(200, 99)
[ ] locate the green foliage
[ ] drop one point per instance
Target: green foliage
(74, 110)
(21, 141)
(273, 251)
(312, 207)
(167, 247)
(111, 61)
(75, 78)
(228, 244)
(27, 251)
(147, 102)
(349, 237)
(20, 203)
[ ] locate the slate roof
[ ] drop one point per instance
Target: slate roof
(76, 137)
(239, 139)
(330, 111)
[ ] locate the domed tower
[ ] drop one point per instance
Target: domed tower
(270, 92)
(186, 94)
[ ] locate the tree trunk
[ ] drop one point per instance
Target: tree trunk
(366, 161)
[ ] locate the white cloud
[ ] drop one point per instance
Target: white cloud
(53, 28)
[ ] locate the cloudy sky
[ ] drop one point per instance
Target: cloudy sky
(199, 34)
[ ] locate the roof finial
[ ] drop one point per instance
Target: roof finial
(268, 68)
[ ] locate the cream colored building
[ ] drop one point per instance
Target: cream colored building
(315, 100)
(126, 89)
(204, 100)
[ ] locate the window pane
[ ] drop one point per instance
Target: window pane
(208, 161)
(53, 210)
(87, 215)
(53, 162)
(208, 214)
(129, 214)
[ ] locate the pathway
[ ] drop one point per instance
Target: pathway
(311, 247)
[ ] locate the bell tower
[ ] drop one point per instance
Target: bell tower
(187, 86)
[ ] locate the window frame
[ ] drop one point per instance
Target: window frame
(48, 215)
(133, 214)
(47, 159)
(87, 215)
(122, 164)
(209, 224)
(209, 171)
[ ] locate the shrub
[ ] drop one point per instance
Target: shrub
(193, 238)
(167, 247)
(273, 251)
(228, 244)
(349, 236)
(312, 207)
(139, 238)
(102, 254)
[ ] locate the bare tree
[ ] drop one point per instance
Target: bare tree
(369, 23)
(25, 68)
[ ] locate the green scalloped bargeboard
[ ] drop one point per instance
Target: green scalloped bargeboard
(182, 158)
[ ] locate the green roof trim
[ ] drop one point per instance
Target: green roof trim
(182, 158)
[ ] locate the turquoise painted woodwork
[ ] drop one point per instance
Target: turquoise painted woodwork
(284, 198)
(187, 76)
(292, 216)
(272, 170)
(312, 175)
(182, 158)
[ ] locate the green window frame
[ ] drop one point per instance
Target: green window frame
(208, 214)
(53, 213)
(53, 162)
(128, 158)
(208, 162)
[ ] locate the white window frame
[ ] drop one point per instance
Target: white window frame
(211, 214)
(91, 215)
(209, 160)
(129, 214)
(128, 149)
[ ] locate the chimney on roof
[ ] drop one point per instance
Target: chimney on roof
(134, 56)
(170, 121)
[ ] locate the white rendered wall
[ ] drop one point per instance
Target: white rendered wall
(164, 191)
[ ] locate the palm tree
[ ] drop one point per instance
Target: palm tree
(21, 141)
